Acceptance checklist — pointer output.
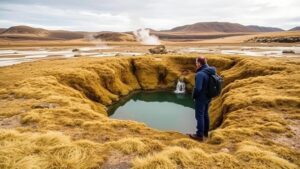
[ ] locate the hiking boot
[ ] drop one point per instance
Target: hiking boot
(196, 137)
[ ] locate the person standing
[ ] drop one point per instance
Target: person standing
(202, 99)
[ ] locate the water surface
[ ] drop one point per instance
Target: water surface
(161, 110)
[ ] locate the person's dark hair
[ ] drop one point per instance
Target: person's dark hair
(202, 60)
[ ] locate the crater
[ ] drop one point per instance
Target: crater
(253, 119)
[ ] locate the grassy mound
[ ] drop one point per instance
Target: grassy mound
(53, 114)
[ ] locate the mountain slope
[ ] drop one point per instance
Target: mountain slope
(264, 29)
(115, 36)
(225, 27)
(2, 30)
(30, 33)
(212, 27)
(295, 29)
(26, 30)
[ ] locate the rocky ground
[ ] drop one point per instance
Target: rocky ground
(291, 39)
(53, 114)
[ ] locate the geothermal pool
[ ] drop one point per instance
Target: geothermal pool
(162, 110)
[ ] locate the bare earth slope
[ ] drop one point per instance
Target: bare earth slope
(222, 27)
(264, 29)
(26, 30)
(30, 33)
(53, 114)
(2, 30)
(295, 29)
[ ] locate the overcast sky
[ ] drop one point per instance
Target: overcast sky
(125, 15)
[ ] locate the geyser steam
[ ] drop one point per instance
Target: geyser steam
(96, 41)
(143, 36)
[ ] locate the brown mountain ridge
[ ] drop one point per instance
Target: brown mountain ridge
(225, 27)
(197, 31)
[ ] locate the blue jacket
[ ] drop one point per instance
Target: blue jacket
(201, 83)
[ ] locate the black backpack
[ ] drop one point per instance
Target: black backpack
(214, 86)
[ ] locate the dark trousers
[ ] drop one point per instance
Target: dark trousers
(202, 118)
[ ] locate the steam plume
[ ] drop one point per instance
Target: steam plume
(96, 41)
(143, 36)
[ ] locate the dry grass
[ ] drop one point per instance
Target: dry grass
(53, 114)
(49, 150)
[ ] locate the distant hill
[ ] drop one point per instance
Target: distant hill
(61, 34)
(19, 32)
(25, 30)
(197, 31)
(114, 36)
(30, 33)
(295, 29)
(225, 27)
(2, 30)
(256, 28)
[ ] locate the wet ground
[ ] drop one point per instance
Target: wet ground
(247, 50)
(19, 55)
(15, 56)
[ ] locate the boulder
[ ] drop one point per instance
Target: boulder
(75, 50)
(160, 49)
(288, 51)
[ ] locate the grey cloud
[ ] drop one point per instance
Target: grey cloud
(123, 15)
